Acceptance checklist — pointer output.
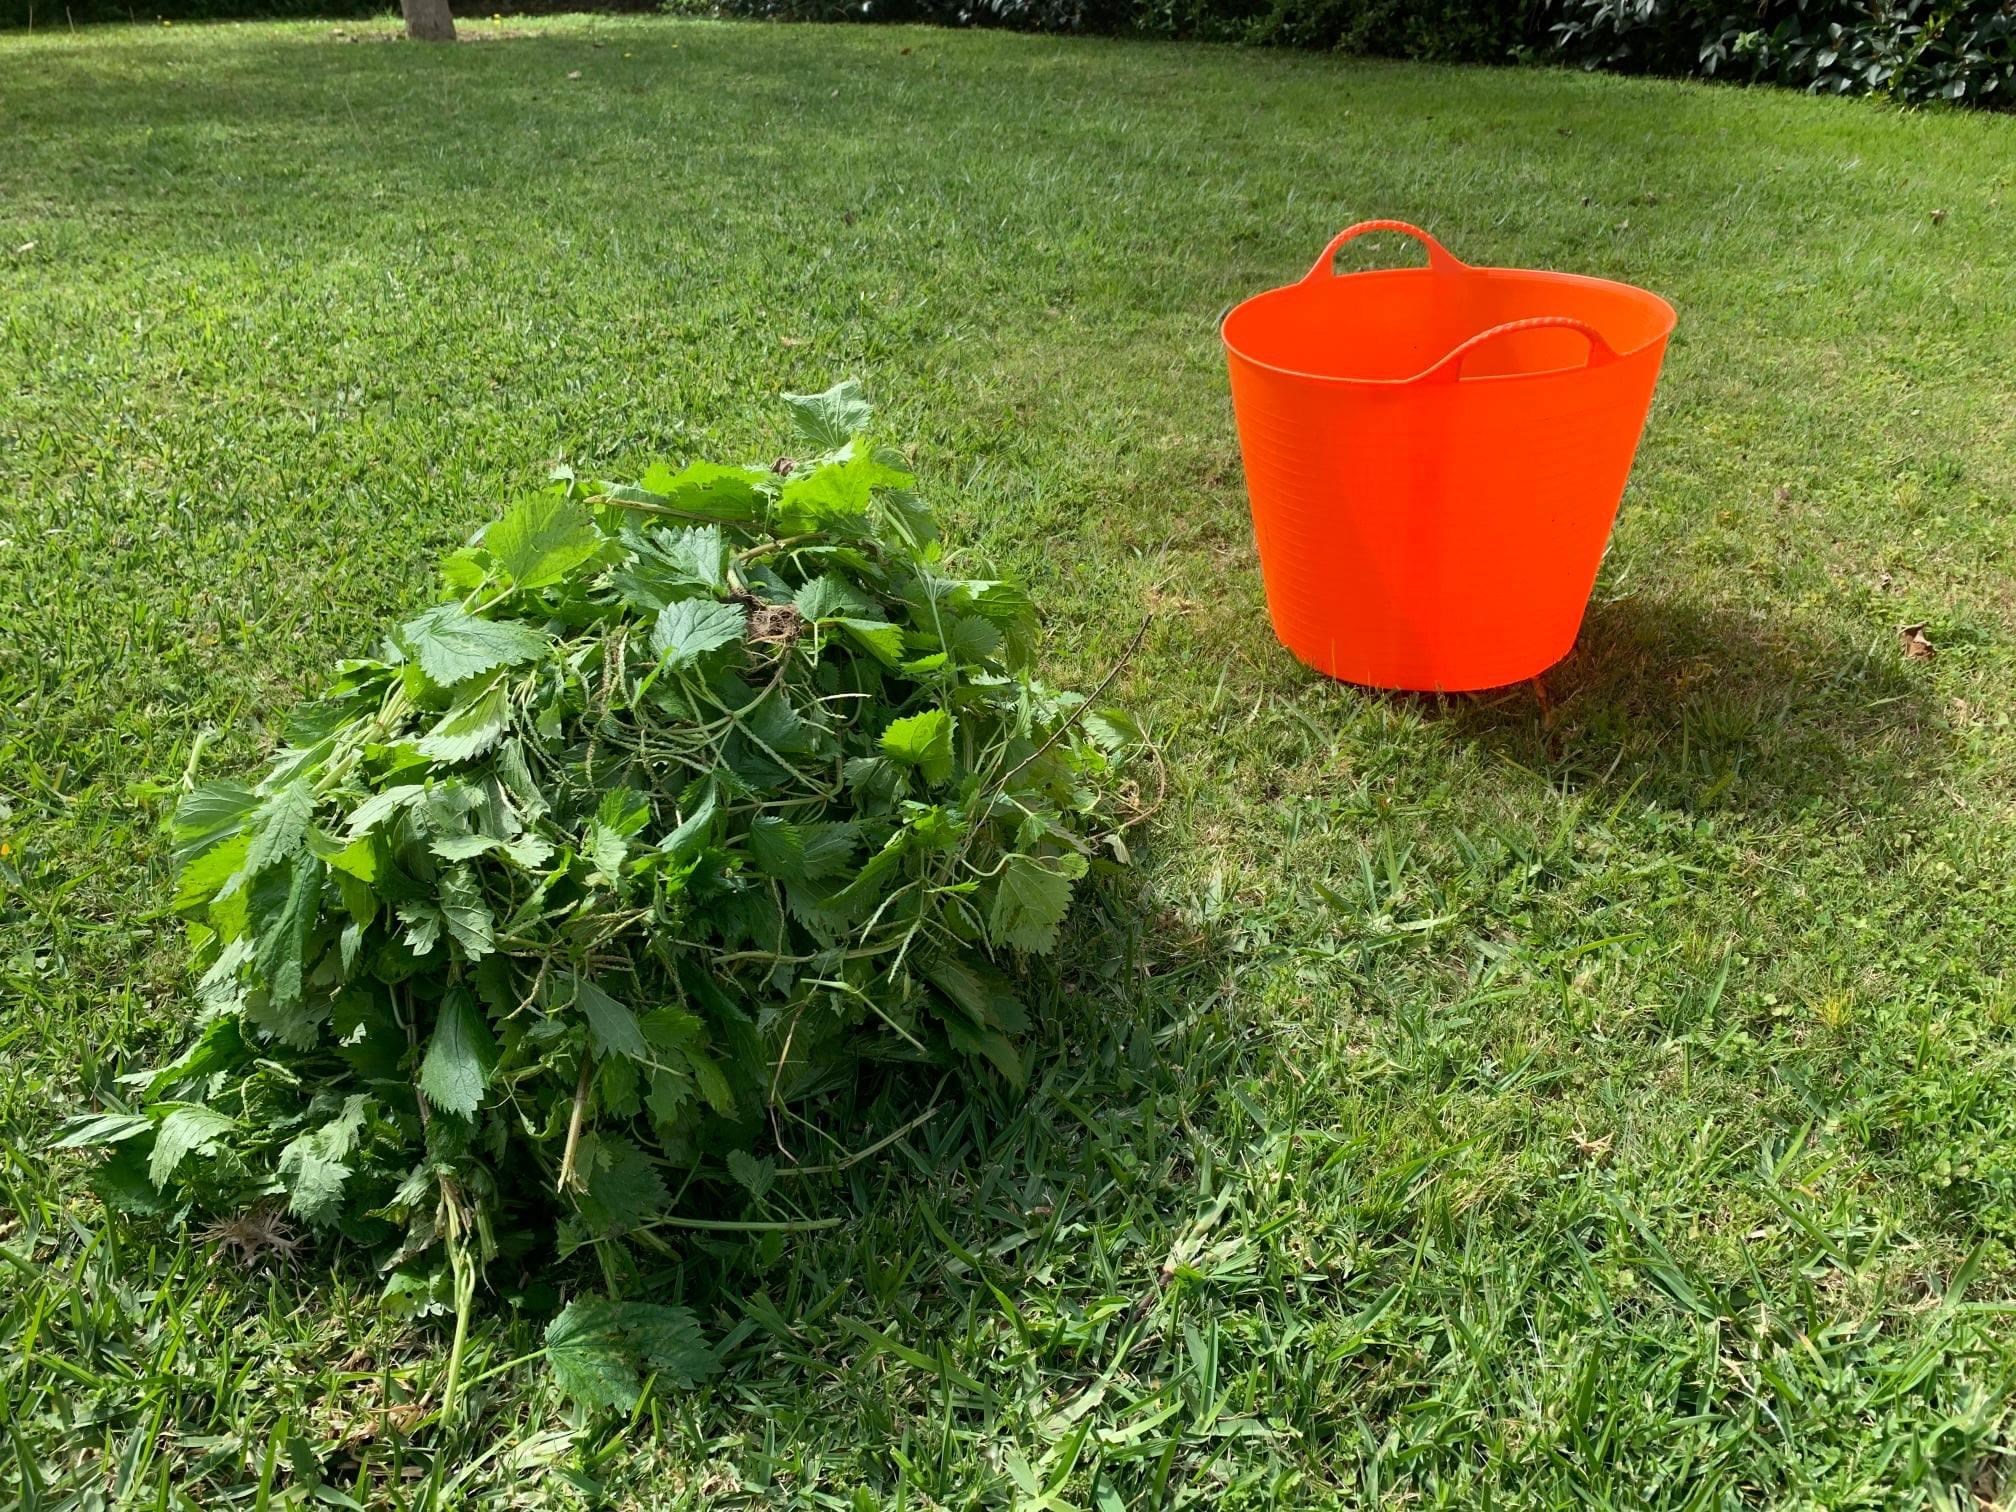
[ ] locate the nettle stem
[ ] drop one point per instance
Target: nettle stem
(463, 1267)
(568, 1175)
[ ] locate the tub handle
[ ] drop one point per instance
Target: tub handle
(1449, 367)
(1440, 258)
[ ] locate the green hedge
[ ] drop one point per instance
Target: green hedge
(1961, 50)
(57, 14)
(1912, 50)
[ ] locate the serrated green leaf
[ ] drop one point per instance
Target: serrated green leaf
(691, 628)
(1030, 900)
(777, 847)
(708, 1076)
(541, 539)
(990, 1045)
(612, 1023)
(85, 1130)
(465, 570)
(754, 1176)
(465, 912)
(962, 983)
(469, 729)
(829, 597)
(835, 496)
(668, 1340)
(692, 832)
(591, 1360)
(827, 847)
(187, 1128)
(280, 951)
(452, 645)
(624, 1188)
(597, 1350)
(357, 860)
(1113, 730)
(379, 807)
(460, 1055)
(971, 638)
(313, 1166)
(219, 1047)
(923, 741)
(207, 816)
(423, 923)
(709, 489)
(830, 420)
(697, 554)
(878, 638)
(671, 1090)
(203, 874)
(280, 826)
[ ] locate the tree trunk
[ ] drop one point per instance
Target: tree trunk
(428, 20)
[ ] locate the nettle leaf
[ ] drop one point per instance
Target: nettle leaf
(465, 913)
(827, 848)
(777, 846)
(469, 729)
(691, 628)
(923, 741)
(313, 1165)
(1030, 900)
(598, 1349)
(692, 832)
(207, 816)
(829, 597)
(541, 539)
(379, 807)
(281, 950)
(624, 1188)
(88, 1129)
(201, 877)
(423, 923)
(591, 1357)
(703, 488)
(280, 826)
(754, 1176)
(460, 1056)
(219, 1047)
(878, 638)
(698, 554)
(1113, 730)
(187, 1129)
(830, 420)
(836, 496)
(612, 1024)
(452, 645)
(972, 638)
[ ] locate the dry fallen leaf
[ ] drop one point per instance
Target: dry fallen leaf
(1938, 217)
(573, 73)
(1916, 647)
(791, 341)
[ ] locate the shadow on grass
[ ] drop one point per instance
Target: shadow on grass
(1701, 708)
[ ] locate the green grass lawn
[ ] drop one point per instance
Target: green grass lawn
(1601, 1098)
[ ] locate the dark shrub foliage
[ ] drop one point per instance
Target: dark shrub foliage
(1962, 50)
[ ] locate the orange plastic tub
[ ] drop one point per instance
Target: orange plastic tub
(1434, 458)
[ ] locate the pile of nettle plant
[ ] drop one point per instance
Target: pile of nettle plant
(691, 796)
